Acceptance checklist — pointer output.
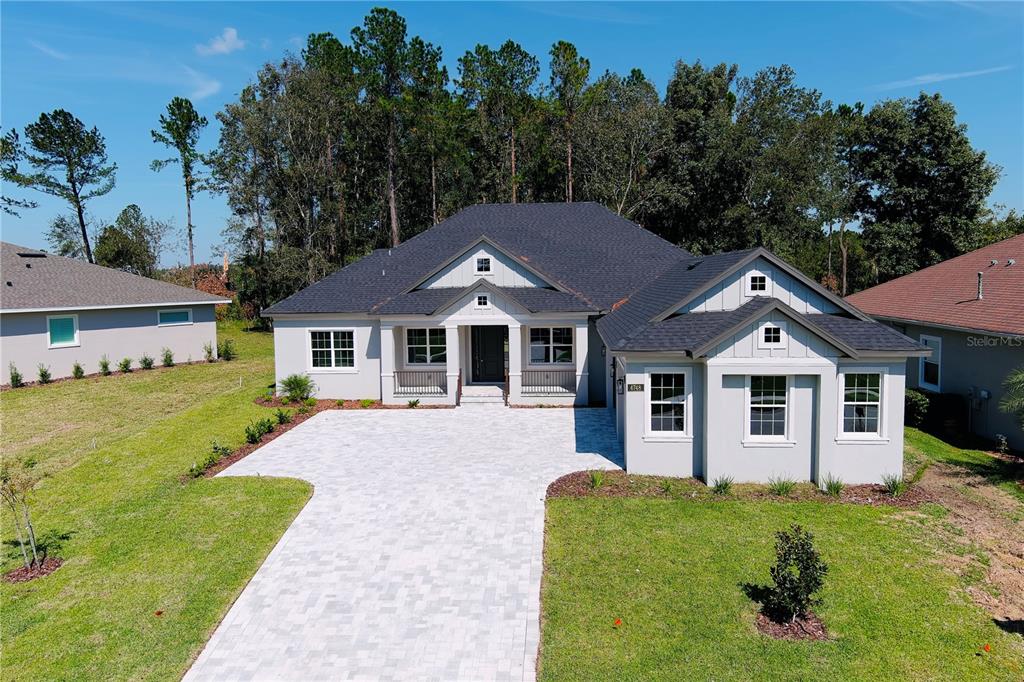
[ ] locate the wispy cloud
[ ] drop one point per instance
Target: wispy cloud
(48, 51)
(226, 43)
(929, 78)
(202, 85)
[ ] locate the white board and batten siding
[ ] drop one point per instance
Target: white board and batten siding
(731, 292)
(799, 342)
(505, 272)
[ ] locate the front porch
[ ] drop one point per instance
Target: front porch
(542, 363)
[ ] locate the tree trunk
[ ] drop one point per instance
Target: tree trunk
(188, 222)
(18, 533)
(830, 251)
(513, 150)
(31, 531)
(843, 251)
(392, 199)
(568, 144)
(433, 187)
(81, 222)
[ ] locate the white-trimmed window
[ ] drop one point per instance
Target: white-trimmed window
(62, 331)
(772, 335)
(862, 403)
(426, 346)
(332, 349)
(929, 373)
(550, 345)
(174, 317)
(668, 402)
(767, 408)
(757, 283)
(483, 264)
(483, 301)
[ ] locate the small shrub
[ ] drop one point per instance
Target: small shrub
(226, 350)
(283, 416)
(43, 374)
(77, 371)
(125, 365)
(208, 353)
(257, 429)
(413, 404)
(722, 485)
(297, 388)
(146, 362)
(366, 403)
(668, 487)
(919, 474)
(832, 485)
(303, 410)
(340, 403)
(596, 479)
(798, 574)
(915, 407)
(894, 485)
(1002, 444)
(105, 366)
(781, 486)
(309, 402)
(216, 454)
(167, 357)
(17, 381)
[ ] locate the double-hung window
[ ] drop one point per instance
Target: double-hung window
(668, 402)
(551, 345)
(862, 401)
(426, 346)
(767, 407)
(62, 330)
(930, 368)
(333, 349)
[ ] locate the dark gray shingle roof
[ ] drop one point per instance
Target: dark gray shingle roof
(866, 335)
(42, 281)
(582, 247)
(534, 299)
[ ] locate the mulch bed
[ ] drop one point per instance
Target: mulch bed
(23, 574)
(809, 628)
(621, 484)
(276, 401)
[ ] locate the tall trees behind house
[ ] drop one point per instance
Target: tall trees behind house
(569, 75)
(179, 130)
(68, 161)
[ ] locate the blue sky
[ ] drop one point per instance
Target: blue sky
(116, 65)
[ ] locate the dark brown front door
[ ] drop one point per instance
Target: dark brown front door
(489, 353)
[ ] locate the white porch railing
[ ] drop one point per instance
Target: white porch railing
(421, 382)
(549, 382)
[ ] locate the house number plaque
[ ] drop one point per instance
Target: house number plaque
(634, 387)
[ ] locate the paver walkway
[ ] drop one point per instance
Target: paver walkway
(419, 554)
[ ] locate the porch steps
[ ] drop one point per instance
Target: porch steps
(482, 399)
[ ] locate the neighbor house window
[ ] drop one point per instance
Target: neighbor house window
(483, 264)
(426, 346)
(62, 330)
(767, 407)
(930, 368)
(170, 318)
(333, 349)
(862, 400)
(668, 401)
(483, 301)
(550, 345)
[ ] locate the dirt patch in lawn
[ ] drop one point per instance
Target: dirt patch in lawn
(808, 628)
(24, 574)
(982, 534)
(621, 484)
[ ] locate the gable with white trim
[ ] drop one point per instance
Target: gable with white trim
(471, 309)
(760, 278)
(775, 335)
(502, 271)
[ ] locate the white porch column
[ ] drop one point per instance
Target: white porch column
(582, 352)
(387, 363)
(515, 362)
(452, 355)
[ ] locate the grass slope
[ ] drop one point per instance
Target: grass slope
(1005, 475)
(672, 570)
(138, 540)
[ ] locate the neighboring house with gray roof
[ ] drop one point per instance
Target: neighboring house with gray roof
(57, 311)
(727, 365)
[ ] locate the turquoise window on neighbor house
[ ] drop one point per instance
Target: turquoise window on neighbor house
(167, 317)
(63, 331)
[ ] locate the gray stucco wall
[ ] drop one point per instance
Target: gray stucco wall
(116, 333)
(979, 362)
(292, 356)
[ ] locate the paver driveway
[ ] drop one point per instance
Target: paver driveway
(419, 554)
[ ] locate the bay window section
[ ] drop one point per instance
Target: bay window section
(333, 349)
(551, 345)
(426, 346)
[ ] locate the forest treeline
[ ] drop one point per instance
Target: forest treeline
(361, 142)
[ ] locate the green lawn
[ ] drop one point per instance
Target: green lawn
(672, 571)
(1005, 475)
(138, 540)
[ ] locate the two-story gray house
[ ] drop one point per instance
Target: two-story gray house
(726, 365)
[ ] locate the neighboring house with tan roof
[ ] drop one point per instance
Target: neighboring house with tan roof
(57, 311)
(970, 311)
(733, 364)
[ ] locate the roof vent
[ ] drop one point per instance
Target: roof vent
(9, 283)
(994, 262)
(1012, 261)
(981, 283)
(31, 254)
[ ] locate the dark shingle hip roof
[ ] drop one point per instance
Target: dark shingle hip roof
(533, 299)
(42, 281)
